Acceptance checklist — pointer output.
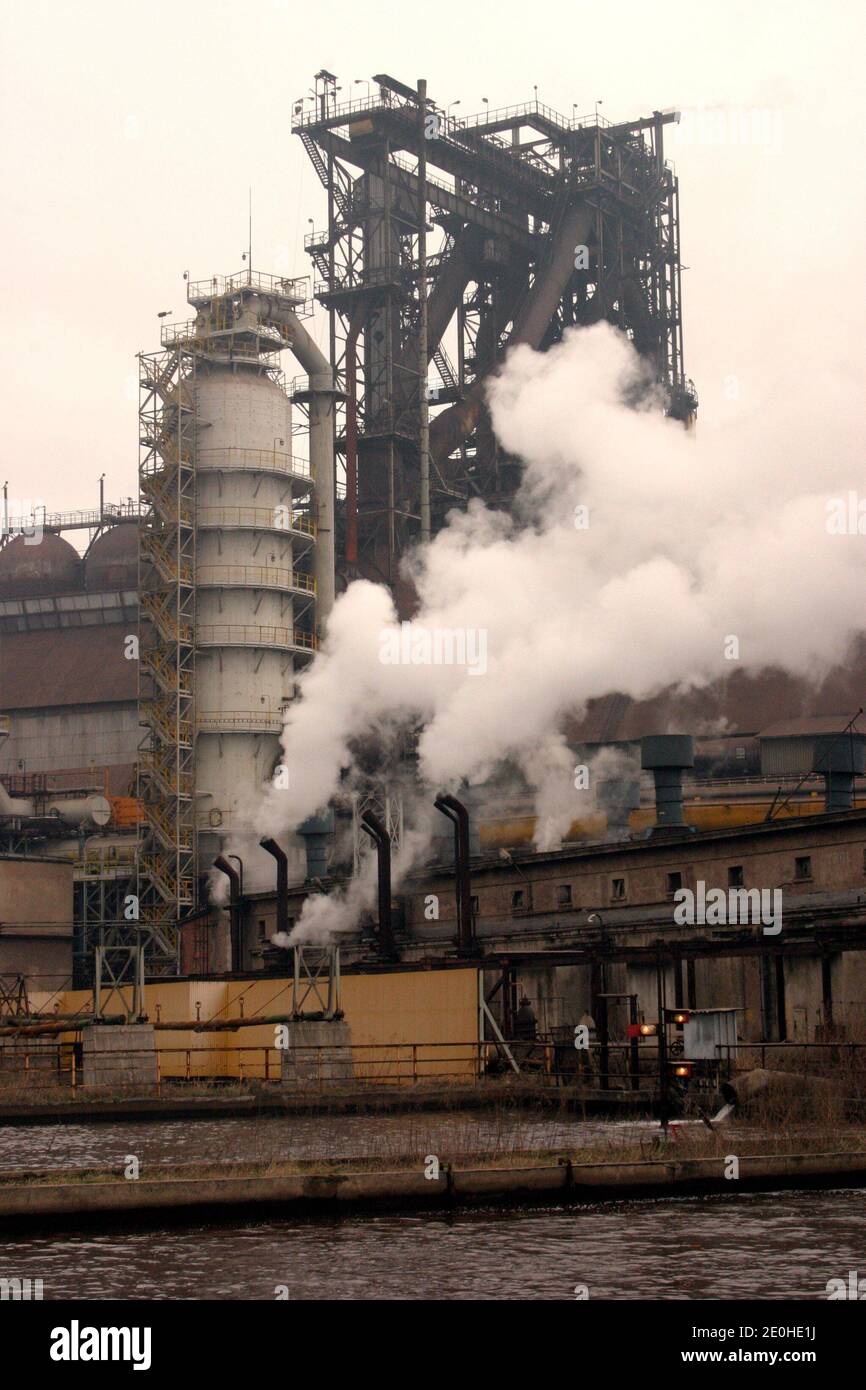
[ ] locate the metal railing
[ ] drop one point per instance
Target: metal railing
(254, 577)
(249, 635)
(239, 721)
(523, 108)
(287, 287)
(813, 1056)
(254, 518)
(237, 460)
(357, 1064)
(208, 338)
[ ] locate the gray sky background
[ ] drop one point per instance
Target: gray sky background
(129, 135)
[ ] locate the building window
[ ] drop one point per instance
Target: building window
(735, 876)
(675, 883)
(563, 895)
(473, 905)
(263, 931)
(803, 867)
(617, 889)
(517, 899)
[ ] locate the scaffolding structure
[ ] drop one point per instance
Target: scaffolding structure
(542, 224)
(167, 870)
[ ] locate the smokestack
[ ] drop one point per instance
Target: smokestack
(667, 756)
(282, 883)
(376, 830)
(317, 831)
(234, 879)
(459, 816)
(840, 758)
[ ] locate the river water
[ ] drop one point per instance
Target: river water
(764, 1245)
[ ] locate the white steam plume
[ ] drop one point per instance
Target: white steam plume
(693, 540)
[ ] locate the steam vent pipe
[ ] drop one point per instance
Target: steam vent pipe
(282, 883)
(459, 816)
(667, 756)
(377, 832)
(321, 395)
(234, 879)
(840, 758)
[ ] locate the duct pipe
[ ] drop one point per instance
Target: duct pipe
(377, 832)
(667, 756)
(455, 424)
(322, 393)
(459, 816)
(234, 879)
(352, 444)
(840, 758)
(282, 883)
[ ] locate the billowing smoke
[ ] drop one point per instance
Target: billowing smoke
(637, 556)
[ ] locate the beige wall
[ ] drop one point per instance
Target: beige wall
(386, 1013)
(36, 903)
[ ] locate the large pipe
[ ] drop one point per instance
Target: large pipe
(234, 879)
(457, 813)
(455, 424)
(321, 393)
(840, 758)
(377, 832)
(282, 883)
(667, 756)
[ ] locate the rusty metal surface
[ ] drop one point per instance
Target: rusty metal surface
(81, 666)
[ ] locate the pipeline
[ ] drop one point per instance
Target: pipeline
(455, 424)
(322, 395)
(282, 883)
(234, 879)
(457, 813)
(377, 832)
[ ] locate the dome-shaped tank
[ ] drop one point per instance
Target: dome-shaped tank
(51, 566)
(112, 560)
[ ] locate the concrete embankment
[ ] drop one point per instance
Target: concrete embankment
(360, 1101)
(38, 1202)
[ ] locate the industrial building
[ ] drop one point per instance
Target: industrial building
(145, 674)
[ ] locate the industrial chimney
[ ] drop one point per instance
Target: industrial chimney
(839, 758)
(667, 756)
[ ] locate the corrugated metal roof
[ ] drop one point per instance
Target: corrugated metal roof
(81, 666)
(808, 727)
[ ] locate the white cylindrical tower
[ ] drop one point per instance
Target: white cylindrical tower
(254, 581)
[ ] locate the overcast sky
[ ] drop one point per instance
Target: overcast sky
(131, 133)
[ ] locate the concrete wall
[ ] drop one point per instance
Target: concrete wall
(332, 1061)
(118, 1056)
(36, 904)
